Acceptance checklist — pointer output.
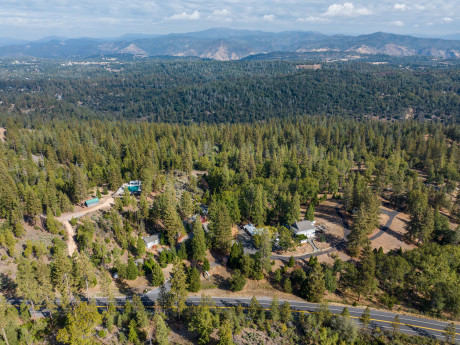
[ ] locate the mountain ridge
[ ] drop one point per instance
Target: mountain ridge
(230, 44)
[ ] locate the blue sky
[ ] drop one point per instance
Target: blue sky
(32, 19)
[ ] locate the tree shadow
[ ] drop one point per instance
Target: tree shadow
(221, 282)
(123, 287)
(7, 286)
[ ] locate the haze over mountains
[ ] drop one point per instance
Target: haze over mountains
(229, 44)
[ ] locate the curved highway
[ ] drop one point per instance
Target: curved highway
(411, 325)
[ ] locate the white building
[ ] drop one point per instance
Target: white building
(151, 241)
(251, 229)
(304, 227)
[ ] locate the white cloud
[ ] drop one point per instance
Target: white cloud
(313, 19)
(448, 19)
(400, 7)
(346, 9)
(195, 15)
(398, 23)
(268, 17)
(221, 13)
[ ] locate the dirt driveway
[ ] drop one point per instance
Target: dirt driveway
(65, 218)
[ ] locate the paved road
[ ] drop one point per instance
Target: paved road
(411, 325)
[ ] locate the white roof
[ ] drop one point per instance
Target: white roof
(252, 229)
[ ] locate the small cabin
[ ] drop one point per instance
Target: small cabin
(92, 202)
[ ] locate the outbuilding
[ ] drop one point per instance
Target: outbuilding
(92, 202)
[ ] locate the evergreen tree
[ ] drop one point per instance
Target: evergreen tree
(140, 247)
(275, 310)
(161, 331)
(132, 270)
(206, 265)
(314, 286)
(80, 325)
(287, 285)
(286, 313)
(238, 281)
(186, 205)
(194, 280)
(225, 334)
(365, 282)
(220, 226)
(198, 241)
(157, 275)
(366, 317)
(236, 255)
(179, 286)
(310, 214)
(202, 320)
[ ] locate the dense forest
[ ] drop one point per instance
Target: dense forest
(196, 91)
(68, 139)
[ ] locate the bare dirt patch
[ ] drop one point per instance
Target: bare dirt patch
(393, 237)
(2, 134)
(326, 216)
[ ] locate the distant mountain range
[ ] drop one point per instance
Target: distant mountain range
(229, 44)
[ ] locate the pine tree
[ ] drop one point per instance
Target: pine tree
(286, 313)
(202, 319)
(198, 241)
(366, 317)
(287, 285)
(33, 204)
(265, 249)
(310, 215)
(206, 266)
(315, 284)
(236, 255)
(161, 331)
(194, 280)
(79, 184)
(220, 226)
(140, 247)
(131, 271)
(80, 326)
(157, 275)
(365, 283)
(186, 205)
(225, 334)
(259, 207)
(179, 286)
(275, 310)
(238, 281)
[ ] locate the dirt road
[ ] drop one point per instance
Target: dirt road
(65, 218)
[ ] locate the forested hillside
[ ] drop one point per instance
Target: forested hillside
(197, 91)
(342, 144)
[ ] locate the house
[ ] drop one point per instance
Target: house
(92, 202)
(304, 227)
(251, 229)
(134, 187)
(152, 241)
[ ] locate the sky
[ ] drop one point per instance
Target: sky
(33, 19)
